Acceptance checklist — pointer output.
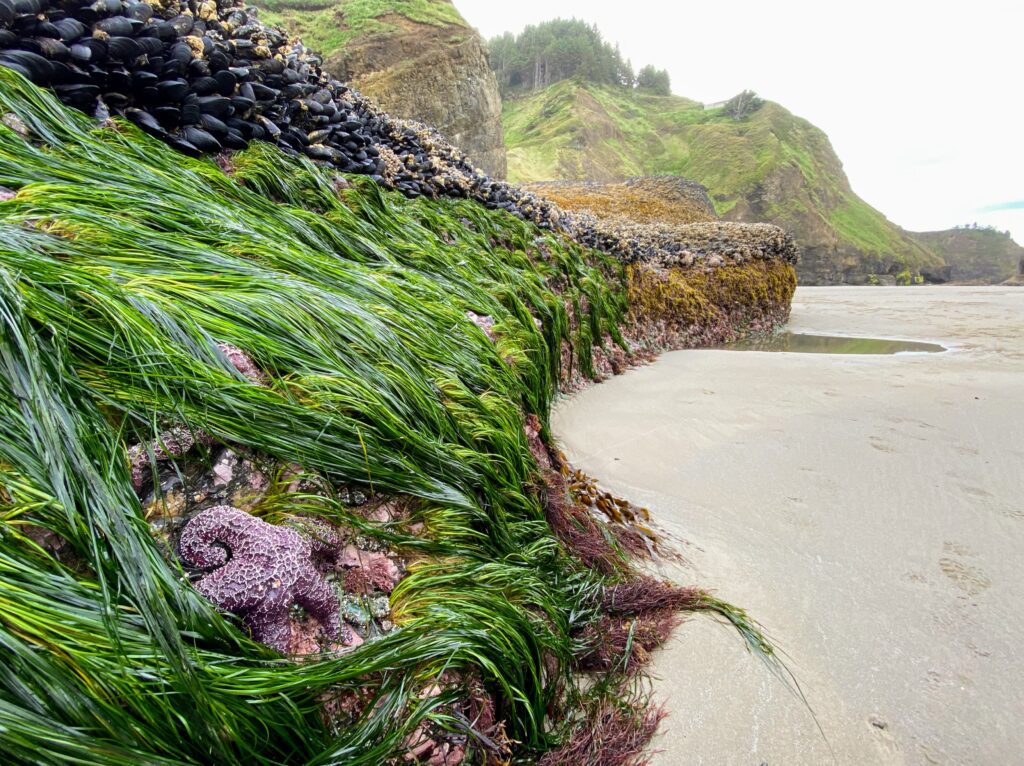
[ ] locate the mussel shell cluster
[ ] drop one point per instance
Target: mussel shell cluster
(207, 76)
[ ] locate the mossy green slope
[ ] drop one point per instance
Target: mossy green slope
(770, 166)
(328, 25)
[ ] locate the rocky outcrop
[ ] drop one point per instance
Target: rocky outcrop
(973, 255)
(655, 199)
(436, 75)
(1017, 280)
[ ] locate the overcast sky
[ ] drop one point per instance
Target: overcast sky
(923, 101)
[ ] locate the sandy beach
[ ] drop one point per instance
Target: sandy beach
(867, 510)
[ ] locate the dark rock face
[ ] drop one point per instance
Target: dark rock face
(437, 75)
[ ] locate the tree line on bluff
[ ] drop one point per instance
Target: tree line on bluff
(562, 49)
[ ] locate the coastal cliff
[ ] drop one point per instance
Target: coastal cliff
(417, 60)
(973, 255)
(767, 166)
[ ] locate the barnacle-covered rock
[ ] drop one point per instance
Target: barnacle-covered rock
(261, 571)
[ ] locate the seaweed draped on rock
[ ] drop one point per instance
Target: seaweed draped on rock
(261, 571)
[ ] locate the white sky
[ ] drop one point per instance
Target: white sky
(923, 101)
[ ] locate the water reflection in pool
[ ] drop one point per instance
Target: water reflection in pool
(803, 343)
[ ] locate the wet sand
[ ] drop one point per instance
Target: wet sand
(868, 510)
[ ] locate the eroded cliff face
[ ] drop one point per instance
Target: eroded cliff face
(438, 75)
(980, 256)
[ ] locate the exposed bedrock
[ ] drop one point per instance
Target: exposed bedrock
(438, 75)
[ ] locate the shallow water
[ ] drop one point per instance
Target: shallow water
(806, 343)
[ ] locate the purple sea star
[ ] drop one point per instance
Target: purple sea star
(261, 570)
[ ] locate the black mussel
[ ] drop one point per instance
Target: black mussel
(117, 102)
(208, 45)
(205, 86)
(246, 91)
(313, 107)
(200, 139)
(7, 12)
(199, 68)
(183, 146)
(272, 66)
(213, 126)
(234, 140)
(164, 30)
(324, 153)
(123, 49)
(190, 114)
(79, 96)
(242, 47)
(218, 60)
(70, 29)
(119, 80)
(183, 24)
(171, 70)
(319, 136)
(294, 90)
(143, 79)
(149, 96)
(150, 46)
(172, 91)
(29, 7)
(273, 132)
(168, 116)
(218, 106)
(299, 134)
(140, 11)
(45, 29)
(116, 26)
(290, 140)
(145, 120)
(97, 49)
(242, 105)
(181, 53)
(226, 82)
(29, 65)
(7, 39)
(262, 92)
(246, 128)
(106, 7)
(69, 74)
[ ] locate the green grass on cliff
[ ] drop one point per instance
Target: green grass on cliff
(122, 266)
(771, 166)
(328, 25)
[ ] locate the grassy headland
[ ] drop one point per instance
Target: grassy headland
(768, 166)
